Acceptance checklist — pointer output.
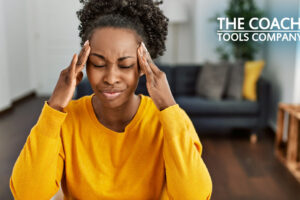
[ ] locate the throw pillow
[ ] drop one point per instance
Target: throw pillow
(253, 70)
(235, 79)
(211, 80)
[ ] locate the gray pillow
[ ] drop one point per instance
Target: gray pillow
(235, 80)
(211, 80)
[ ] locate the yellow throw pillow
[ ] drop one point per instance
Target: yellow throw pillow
(253, 70)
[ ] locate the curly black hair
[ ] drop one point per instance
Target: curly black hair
(142, 16)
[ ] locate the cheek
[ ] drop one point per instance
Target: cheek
(93, 75)
(133, 76)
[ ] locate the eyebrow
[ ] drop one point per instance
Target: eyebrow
(102, 57)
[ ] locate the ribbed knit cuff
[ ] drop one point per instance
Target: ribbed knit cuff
(50, 121)
(173, 121)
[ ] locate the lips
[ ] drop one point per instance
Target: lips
(111, 94)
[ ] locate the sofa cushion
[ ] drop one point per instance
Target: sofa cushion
(211, 81)
(253, 70)
(202, 106)
(185, 79)
(235, 78)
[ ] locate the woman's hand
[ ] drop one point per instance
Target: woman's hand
(157, 83)
(68, 80)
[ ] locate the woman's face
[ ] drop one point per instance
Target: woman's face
(112, 66)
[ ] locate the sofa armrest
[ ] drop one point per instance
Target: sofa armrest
(263, 98)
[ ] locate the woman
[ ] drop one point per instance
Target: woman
(114, 144)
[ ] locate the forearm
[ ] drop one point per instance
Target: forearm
(187, 175)
(40, 163)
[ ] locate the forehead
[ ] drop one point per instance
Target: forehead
(114, 41)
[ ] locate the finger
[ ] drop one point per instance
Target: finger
(141, 71)
(150, 76)
(73, 63)
(153, 67)
(83, 59)
(82, 53)
(143, 64)
(146, 69)
(80, 56)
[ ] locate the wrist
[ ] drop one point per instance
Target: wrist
(167, 104)
(55, 106)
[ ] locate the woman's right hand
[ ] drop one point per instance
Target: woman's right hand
(68, 80)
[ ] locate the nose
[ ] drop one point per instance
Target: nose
(111, 75)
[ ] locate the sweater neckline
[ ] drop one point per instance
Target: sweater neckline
(132, 123)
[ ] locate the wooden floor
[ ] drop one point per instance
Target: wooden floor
(244, 171)
(239, 170)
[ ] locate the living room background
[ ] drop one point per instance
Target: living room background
(38, 38)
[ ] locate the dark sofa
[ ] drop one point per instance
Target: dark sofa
(207, 115)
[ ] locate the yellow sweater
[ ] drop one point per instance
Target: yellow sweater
(158, 156)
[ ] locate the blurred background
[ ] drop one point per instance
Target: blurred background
(39, 37)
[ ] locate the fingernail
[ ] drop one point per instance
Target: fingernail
(146, 50)
(144, 45)
(86, 42)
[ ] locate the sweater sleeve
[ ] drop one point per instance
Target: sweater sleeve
(39, 167)
(186, 173)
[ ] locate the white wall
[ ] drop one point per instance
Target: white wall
(185, 35)
(281, 60)
(205, 37)
(205, 32)
(197, 37)
(14, 64)
(53, 41)
(38, 39)
(4, 82)
(296, 97)
(15, 16)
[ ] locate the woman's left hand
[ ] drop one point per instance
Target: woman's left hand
(157, 83)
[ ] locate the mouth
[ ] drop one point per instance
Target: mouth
(110, 95)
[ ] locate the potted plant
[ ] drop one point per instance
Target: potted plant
(240, 50)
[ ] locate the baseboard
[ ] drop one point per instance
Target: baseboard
(29, 95)
(24, 98)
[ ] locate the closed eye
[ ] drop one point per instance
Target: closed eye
(126, 66)
(122, 66)
(98, 65)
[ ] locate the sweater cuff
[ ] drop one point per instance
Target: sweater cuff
(50, 120)
(173, 121)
